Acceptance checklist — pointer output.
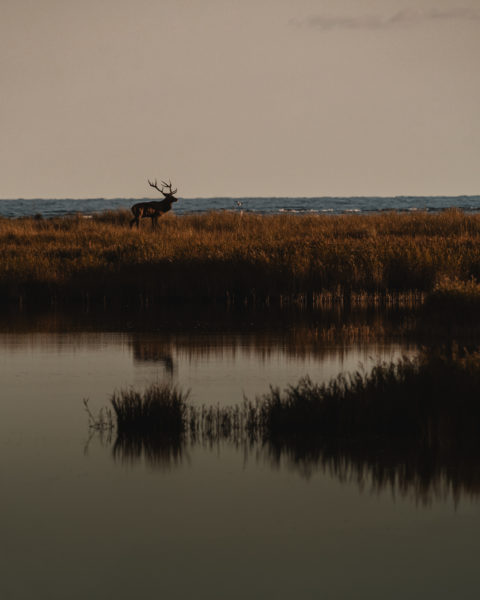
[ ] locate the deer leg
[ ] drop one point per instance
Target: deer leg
(136, 218)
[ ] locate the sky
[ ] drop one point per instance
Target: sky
(239, 97)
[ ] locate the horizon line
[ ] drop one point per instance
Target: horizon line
(274, 197)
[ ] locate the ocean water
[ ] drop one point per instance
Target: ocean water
(321, 205)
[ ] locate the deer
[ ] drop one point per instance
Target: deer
(154, 209)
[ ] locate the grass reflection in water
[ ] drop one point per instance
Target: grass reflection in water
(412, 425)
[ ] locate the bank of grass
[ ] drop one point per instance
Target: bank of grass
(230, 256)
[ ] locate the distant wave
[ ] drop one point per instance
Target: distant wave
(15, 208)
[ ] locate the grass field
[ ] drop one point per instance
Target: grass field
(240, 257)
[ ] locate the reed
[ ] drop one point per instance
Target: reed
(432, 399)
(411, 425)
(312, 260)
(159, 410)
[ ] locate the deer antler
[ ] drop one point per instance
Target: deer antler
(164, 185)
(154, 185)
(169, 186)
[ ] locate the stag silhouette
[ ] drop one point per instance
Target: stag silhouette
(154, 209)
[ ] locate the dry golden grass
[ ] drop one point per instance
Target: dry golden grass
(229, 255)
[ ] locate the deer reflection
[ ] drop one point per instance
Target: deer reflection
(154, 351)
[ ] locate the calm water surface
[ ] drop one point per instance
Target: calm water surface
(220, 521)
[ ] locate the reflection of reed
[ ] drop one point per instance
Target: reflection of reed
(164, 337)
(160, 451)
(398, 466)
(331, 336)
(403, 467)
(160, 336)
(349, 322)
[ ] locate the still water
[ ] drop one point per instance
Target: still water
(222, 520)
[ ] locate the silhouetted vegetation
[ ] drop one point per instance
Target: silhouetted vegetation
(150, 424)
(237, 258)
(433, 399)
(413, 424)
(160, 409)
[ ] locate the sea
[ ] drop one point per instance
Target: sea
(47, 208)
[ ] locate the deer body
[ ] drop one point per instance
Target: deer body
(154, 209)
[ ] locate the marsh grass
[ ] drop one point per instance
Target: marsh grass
(432, 399)
(150, 424)
(411, 425)
(310, 260)
(160, 409)
(454, 293)
(429, 399)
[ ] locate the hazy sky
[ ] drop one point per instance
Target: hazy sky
(239, 97)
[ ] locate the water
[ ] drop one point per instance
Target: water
(222, 521)
(322, 205)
